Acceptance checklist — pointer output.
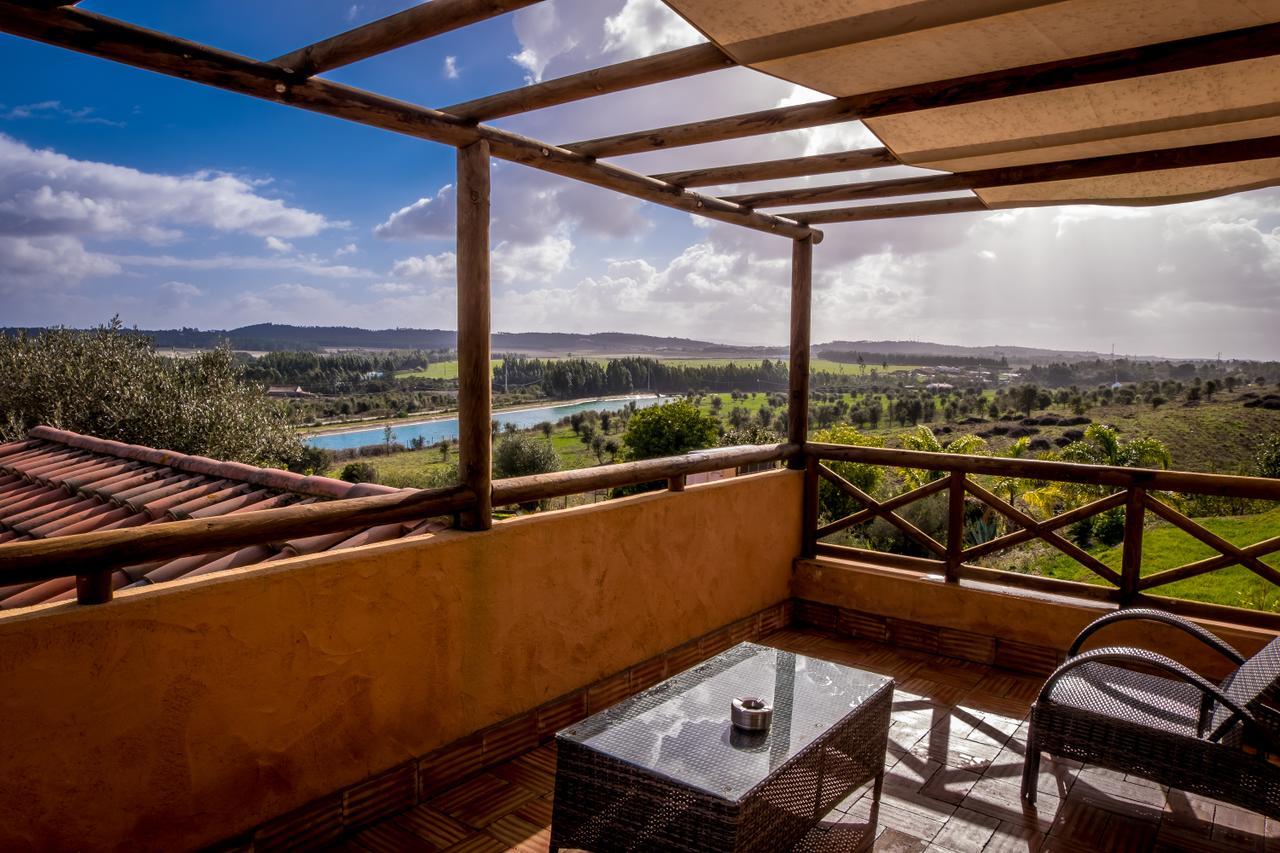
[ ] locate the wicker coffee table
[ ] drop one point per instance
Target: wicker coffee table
(666, 770)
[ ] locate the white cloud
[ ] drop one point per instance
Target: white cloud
(348, 249)
(55, 109)
(531, 263)
(646, 27)
(176, 296)
(302, 263)
(430, 218)
(392, 287)
(427, 268)
(44, 192)
(275, 244)
(451, 67)
(29, 261)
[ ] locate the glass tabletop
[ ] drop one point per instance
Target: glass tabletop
(680, 728)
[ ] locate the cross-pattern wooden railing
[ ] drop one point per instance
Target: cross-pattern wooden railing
(1137, 491)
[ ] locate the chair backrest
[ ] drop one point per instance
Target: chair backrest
(1255, 686)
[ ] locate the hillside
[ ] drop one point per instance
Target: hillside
(1015, 355)
(277, 336)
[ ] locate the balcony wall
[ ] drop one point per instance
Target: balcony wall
(179, 716)
(1004, 626)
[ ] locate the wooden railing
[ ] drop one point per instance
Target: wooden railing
(1136, 490)
(92, 557)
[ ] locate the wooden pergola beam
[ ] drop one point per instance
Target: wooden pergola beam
(792, 167)
(1213, 154)
(104, 37)
(963, 204)
(672, 65)
(1163, 58)
(403, 28)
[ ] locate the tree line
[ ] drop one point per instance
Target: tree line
(580, 377)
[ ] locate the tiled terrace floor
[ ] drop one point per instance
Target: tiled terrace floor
(954, 769)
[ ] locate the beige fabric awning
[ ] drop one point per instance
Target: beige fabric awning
(859, 46)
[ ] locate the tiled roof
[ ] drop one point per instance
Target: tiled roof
(58, 483)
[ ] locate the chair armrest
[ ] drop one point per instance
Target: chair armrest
(1144, 657)
(1171, 619)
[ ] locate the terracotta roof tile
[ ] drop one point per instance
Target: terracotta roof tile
(60, 483)
(246, 500)
(158, 507)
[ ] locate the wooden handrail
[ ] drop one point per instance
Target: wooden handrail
(101, 552)
(537, 487)
(1224, 485)
(91, 557)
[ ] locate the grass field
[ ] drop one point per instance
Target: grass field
(417, 467)
(1167, 547)
(439, 370)
(820, 365)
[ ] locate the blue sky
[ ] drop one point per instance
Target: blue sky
(175, 204)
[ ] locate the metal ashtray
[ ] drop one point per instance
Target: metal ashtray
(751, 714)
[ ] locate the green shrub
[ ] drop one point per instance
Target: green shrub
(359, 472)
(521, 454)
(669, 430)
(1108, 527)
(1268, 460)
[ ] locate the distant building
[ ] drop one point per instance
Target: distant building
(939, 386)
(287, 391)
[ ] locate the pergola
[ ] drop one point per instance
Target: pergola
(1015, 103)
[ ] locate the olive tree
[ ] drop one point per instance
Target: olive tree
(111, 383)
(521, 454)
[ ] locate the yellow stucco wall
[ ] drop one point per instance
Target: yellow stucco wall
(181, 715)
(1042, 620)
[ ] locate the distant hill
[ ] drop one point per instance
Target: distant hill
(1015, 355)
(274, 336)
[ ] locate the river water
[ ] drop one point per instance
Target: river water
(447, 428)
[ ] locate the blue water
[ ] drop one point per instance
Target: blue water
(447, 429)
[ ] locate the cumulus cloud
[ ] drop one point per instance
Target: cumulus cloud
(275, 244)
(28, 261)
(646, 27)
(451, 67)
(427, 268)
(430, 218)
(176, 296)
(43, 192)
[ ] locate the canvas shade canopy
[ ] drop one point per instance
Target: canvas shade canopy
(852, 48)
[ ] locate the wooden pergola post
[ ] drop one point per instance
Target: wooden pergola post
(801, 309)
(475, 405)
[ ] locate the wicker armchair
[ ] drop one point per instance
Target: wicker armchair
(1175, 728)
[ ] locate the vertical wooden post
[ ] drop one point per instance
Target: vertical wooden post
(676, 483)
(809, 515)
(1130, 566)
(955, 526)
(1135, 513)
(801, 311)
(475, 433)
(93, 588)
